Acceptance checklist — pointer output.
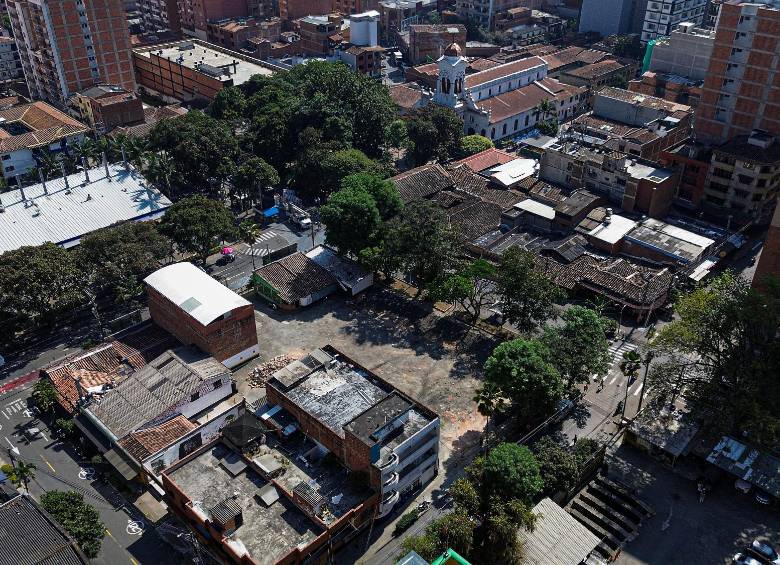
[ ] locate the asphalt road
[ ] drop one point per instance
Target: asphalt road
(129, 539)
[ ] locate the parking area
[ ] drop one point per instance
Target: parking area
(429, 358)
(684, 530)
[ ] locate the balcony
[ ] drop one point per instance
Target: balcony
(389, 463)
(388, 501)
(420, 449)
(391, 481)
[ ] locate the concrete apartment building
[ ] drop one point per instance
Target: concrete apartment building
(744, 178)
(193, 70)
(66, 46)
(10, 65)
(160, 15)
(369, 425)
(198, 310)
(195, 14)
(606, 17)
(663, 16)
(686, 52)
(742, 88)
(484, 11)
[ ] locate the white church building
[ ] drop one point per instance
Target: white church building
(502, 101)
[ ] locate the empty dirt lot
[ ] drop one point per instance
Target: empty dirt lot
(425, 356)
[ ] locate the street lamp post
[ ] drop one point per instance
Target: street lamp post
(648, 360)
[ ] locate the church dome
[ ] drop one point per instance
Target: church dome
(453, 50)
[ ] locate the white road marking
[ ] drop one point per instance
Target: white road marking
(13, 447)
(615, 378)
(638, 389)
(135, 527)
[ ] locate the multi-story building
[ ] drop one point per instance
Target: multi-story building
(686, 52)
(634, 184)
(744, 178)
(769, 262)
(195, 14)
(200, 311)
(662, 16)
(742, 86)
(106, 107)
(296, 9)
(10, 66)
(483, 12)
(159, 15)
(606, 17)
(691, 160)
(234, 34)
(674, 88)
(349, 7)
(428, 42)
(193, 70)
(67, 46)
(318, 34)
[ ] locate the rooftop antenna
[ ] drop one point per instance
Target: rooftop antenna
(84, 166)
(105, 164)
(43, 181)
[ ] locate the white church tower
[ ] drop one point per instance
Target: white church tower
(452, 77)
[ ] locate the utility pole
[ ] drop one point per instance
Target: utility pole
(648, 360)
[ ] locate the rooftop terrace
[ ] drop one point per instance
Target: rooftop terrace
(268, 532)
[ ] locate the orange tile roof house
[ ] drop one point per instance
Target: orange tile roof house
(27, 129)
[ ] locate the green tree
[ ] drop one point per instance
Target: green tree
(44, 394)
(20, 473)
(423, 240)
(66, 427)
(579, 346)
(723, 353)
(435, 133)
(471, 144)
(86, 151)
(352, 218)
(547, 117)
(203, 150)
(250, 178)
(526, 297)
(511, 472)
(337, 165)
(501, 544)
(385, 194)
(557, 466)
(39, 282)
(249, 231)
(397, 136)
(229, 104)
(471, 287)
(197, 224)
(160, 169)
(521, 371)
(451, 531)
(80, 519)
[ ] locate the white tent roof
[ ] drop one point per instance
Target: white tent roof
(195, 292)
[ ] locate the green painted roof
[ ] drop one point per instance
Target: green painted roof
(450, 554)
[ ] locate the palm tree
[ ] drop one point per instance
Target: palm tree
(48, 163)
(135, 150)
(160, 170)
(544, 109)
(249, 232)
(86, 150)
(22, 474)
(629, 366)
(490, 402)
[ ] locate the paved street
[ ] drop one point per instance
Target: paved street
(129, 539)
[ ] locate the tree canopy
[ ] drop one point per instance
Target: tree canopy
(722, 354)
(510, 471)
(522, 371)
(385, 194)
(579, 346)
(557, 465)
(353, 220)
(470, 286)
(80, 519)
(435, 133)
(471, 144)
(197, 224)
(526, 296)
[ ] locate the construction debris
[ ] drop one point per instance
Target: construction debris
(264, 371)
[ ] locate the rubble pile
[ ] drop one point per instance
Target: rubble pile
(263, 372)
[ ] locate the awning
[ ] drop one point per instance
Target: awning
(271, 212)
(121, 463)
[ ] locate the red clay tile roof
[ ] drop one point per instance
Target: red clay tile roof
(478, 65)
(502, 70)
(107, 362)
(422, 182)
(571, 55)
(521, 100)
(142, 444)
(405, 96)
(486, 159)
(46, 122)
(596, 69)
(295, 277)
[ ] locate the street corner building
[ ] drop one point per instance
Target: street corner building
(334, 448)
(200, 311)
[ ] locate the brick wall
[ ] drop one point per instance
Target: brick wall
(221, 339)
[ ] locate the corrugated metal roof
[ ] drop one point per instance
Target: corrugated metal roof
(63, 215)
(558, 538)
(198, 294)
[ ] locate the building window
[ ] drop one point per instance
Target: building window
(492, 133)
(526, 120)
(9, 168)
(515, 124)
(195, 395)
(6, 157)
(218, 384)
(503, 130)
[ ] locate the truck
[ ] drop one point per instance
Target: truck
(299, 216)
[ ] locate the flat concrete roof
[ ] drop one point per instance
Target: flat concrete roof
(613, 231)
(268, 532)
(670, 240)
(213, 60)
(536, 208)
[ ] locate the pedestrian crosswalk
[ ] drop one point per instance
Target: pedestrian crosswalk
(258, 249)
(617, 349)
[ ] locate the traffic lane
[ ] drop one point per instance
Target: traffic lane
(19, 363)
(129, 539)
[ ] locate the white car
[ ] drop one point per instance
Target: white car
(742, 559)
(766, 551)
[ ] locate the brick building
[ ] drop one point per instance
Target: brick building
(66, 46)
(235, 34)
(198, 310)
(742, 88)
(769, 262)
(160, 15)
(428, 42)
(319, 34)
(106, 107)
(295, 9)
(692, 162)
(195, 14)
(673, 88)
(484, 11)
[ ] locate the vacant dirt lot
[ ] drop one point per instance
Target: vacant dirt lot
(425, 356)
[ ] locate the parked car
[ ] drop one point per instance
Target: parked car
(742, 559)
(742, 486)
(765, 551)
(763, 498)
(32, 433)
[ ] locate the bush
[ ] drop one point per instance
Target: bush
(80, 519)
(406, 522)
(66, 426)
